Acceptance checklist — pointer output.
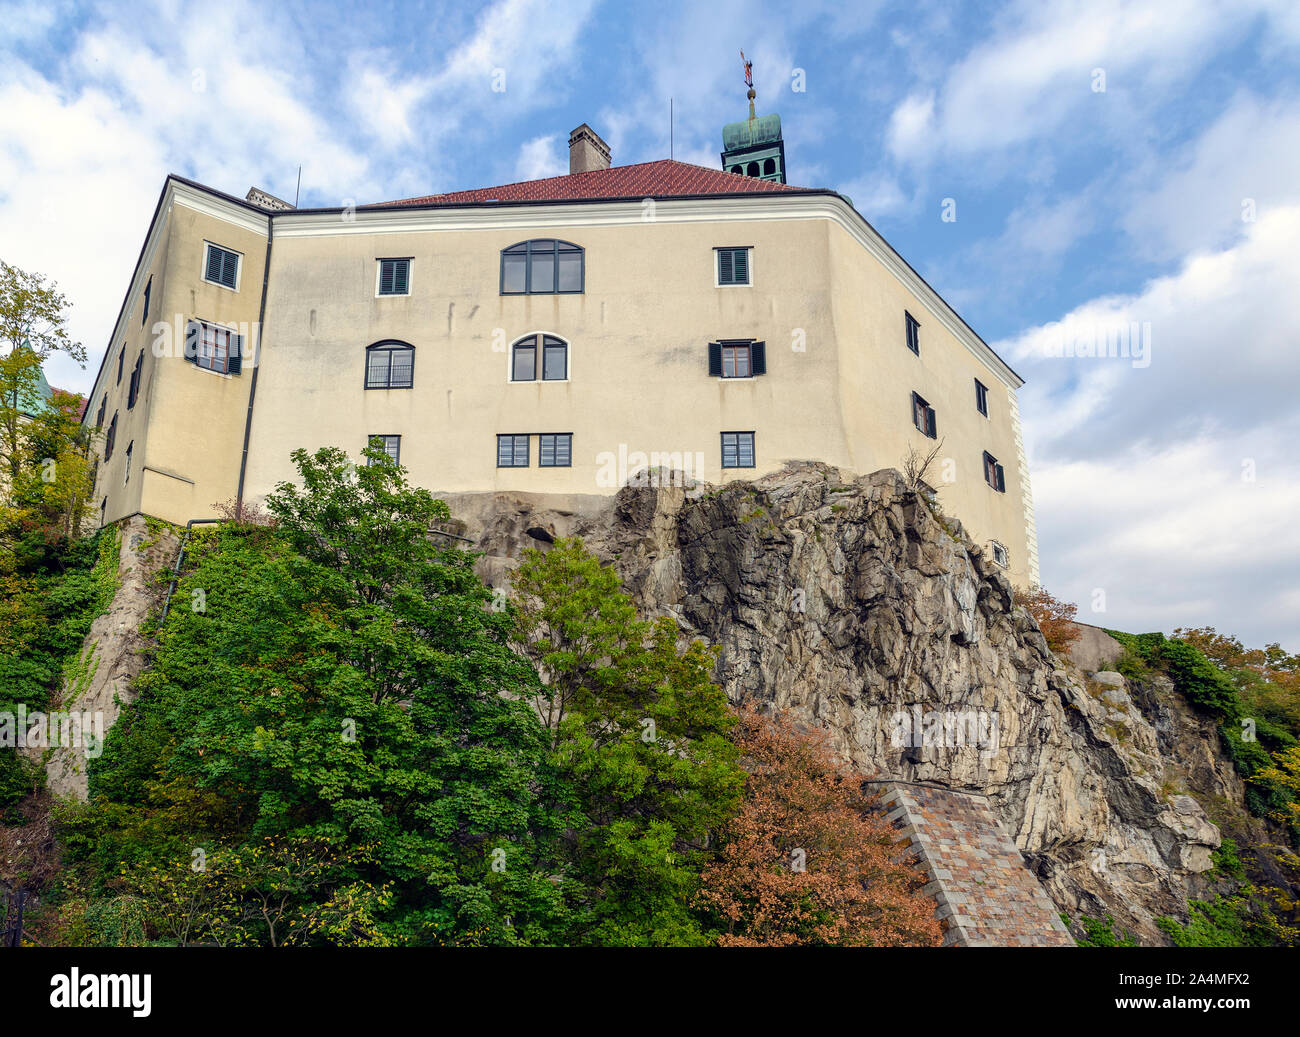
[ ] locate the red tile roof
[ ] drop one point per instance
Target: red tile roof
(664, 178)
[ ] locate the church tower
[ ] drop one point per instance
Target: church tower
(753, 147)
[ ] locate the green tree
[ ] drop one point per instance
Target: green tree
(641, 734)
(33, 327)
(343, 677)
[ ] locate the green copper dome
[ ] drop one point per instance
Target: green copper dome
(765, 129)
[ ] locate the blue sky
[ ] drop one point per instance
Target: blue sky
(1167, 196)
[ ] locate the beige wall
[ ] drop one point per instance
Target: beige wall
(197, 417)
(878, 376)
(187, 425)
(837, 389)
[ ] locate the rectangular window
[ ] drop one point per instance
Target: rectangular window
(525, 361)
(394, 277)
(221, 266)
(389, 366)
(512, 451)
(110, 439)
(1000, 554)
(555, 360)
(737, 358)
(147, 289)
(133, 393)
(733, 265)
(213, 347)
(391, 445)
(555, 450)
(981, 397)
(913, 334)
(127, 477)
(121, 360)
(735, 361)
(994, 474)
(543, 266)
(103, 407)
(737, 450)
(923, 416)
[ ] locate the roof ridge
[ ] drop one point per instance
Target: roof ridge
(585, 176)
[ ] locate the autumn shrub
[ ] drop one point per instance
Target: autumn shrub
(1055, 618)
(806, 861)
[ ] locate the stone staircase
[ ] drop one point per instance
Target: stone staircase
(987, 897)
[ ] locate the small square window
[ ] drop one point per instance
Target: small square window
(394, 277)
(733, 266)
(391, 445)
(981, 397)
(994, 474)
(737, 450)
(913, 334)
(221, 266)
(1000, 554)
(512, 451)
(923, 416)
(555, 450)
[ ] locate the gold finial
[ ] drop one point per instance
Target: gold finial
(749, 81)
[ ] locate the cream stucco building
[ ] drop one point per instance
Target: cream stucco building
(551, 336)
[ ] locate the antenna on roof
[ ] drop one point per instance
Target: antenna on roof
(298, 188)
(670, 127)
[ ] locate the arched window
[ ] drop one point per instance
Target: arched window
(543, 266)
(539, 356)
(751, 169)
(769, 166)
(737, 170)
(389, 365)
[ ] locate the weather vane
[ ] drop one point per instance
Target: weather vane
(749, 81)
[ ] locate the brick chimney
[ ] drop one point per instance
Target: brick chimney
(587, 151)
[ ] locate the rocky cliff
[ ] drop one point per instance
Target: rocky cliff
(855, 603)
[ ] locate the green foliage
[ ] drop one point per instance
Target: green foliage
(642, 736)
(48, 599)
(1203, 684)
(1101, 933)
(347, 681)
(1227, 863)
(1225, 922)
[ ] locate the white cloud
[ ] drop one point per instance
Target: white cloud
(1037, 70)
(1138, 471)
(1247, 161)
(541, 157)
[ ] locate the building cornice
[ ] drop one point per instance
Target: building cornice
(803, 205)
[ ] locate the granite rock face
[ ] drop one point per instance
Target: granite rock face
(854, 603)
(112, 655)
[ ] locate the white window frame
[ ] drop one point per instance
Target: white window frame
(717, 265)
(410, 276)
(239, 266)
(994, 547)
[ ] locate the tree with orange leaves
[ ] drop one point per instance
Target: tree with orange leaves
(1055, 618)
(805, 861)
